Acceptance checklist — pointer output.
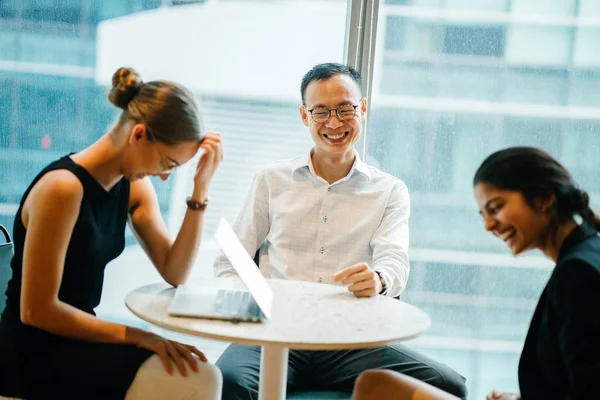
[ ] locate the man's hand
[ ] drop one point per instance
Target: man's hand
(362, 280)
(497, 395)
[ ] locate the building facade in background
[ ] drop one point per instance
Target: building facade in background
(454, 80)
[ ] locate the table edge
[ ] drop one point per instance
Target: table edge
(290, 345)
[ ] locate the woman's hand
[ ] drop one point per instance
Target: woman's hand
(497, 395)
(170, 351)
(208, 163)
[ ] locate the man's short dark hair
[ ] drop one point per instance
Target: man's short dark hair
(325, 71)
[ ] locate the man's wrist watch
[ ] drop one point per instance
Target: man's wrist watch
(384, 286)
(196, 205)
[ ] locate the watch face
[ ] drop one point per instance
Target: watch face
(383, 284)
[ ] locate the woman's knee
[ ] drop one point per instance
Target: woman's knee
(380, 384)
(208, 377)
(153, 382)
(369, 383)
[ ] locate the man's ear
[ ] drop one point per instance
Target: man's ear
(138, 134)
(304, 115)
(363, 108)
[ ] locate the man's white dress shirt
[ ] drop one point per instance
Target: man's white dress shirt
(314, 229)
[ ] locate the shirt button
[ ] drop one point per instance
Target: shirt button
(329, 189)
(320, 280)
(322, 250)
(325, 218)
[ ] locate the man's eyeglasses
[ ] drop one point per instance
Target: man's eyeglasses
(344, 112)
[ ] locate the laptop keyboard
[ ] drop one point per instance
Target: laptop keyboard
(236, 304)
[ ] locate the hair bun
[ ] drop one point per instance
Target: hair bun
(126, 83)
(579, 200)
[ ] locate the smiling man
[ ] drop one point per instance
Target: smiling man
(329, 217)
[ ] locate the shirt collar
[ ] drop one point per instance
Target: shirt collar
(358, 166)
(578, 235)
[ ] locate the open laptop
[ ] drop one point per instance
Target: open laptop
(229, 304)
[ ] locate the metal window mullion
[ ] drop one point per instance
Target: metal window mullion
(359, 50)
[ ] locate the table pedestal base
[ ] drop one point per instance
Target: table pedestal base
(273, 372)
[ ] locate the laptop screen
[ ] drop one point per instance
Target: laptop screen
(244, 265)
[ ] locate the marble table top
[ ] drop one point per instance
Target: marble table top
(306, 316)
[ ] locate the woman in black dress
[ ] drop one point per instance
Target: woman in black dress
(71, 223)
(530, 201)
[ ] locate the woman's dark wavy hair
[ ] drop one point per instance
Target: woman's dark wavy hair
(537, 175)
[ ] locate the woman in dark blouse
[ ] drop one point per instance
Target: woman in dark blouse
(530, 201)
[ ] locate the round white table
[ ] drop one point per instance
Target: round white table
(306, 316)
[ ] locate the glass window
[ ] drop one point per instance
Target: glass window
(481, 5)
(418, 37)
(433, 79)
(6, 110)
(247, 83)
(435, 115)
(586, 43)
(42, 124)
(395, 33)
(8, 43)
(528, 131)
(143, 5)
(538, 45)
(68, 11)
(107, 9)
(585, 88)
(399, 2)
(455, 79)
(414, 37)
(449, 93)
(395, 130)
(185, 2)
(252, 101)
(580, 155)
(48, 113)
(475, 40)
(57, 48)
(87, 56)
(544, 85)
(408, 78)
(560, 8)
(589, 8)
(8, 9)
(428, 3)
